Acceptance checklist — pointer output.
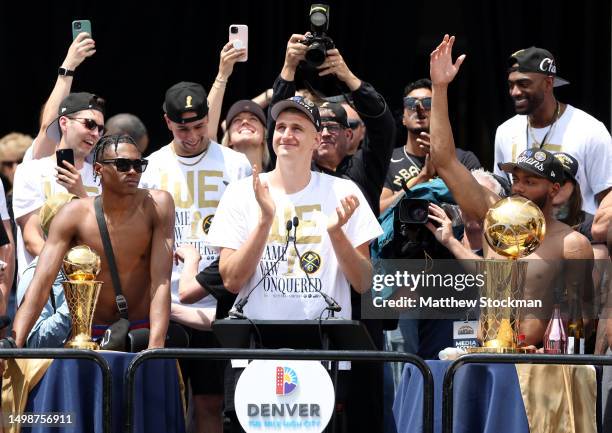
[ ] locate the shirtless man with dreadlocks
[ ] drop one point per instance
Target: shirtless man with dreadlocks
(141, 227)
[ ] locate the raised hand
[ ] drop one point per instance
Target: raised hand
(228, 58)
(443, 233)
(81, 48)
(334, 64)
(441, 67)
(343, 213)
(70, 178)
(296, 52)
(263, 197)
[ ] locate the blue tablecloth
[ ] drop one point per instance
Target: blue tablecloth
(75, 386)
(487, 399)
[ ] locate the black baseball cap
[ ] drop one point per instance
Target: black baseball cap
(539, 162)
(538, 60)
(74, 103)
(569, 163)
(302, 104)
(185, 97)
(248, 106)
(333, 112)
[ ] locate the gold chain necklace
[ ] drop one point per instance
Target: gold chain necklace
(549, 134)
(189, 164)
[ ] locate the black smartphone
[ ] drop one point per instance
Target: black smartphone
(64, 155)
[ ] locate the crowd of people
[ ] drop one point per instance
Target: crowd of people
(209, 216)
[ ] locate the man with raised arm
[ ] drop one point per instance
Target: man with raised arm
(536, 176)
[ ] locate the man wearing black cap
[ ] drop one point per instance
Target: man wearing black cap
(542, 122)
(78, 126)
(537, 175)
(196, 171)
(335, 227)
(367, 168)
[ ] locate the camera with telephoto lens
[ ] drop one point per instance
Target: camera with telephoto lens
(413, 211)
(318, 42)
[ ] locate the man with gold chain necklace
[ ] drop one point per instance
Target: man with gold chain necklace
(543, 122)
(196, 171)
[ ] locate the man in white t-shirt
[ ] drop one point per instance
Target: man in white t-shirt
(78, 127)
(332, 237)
(196, 171)
(544, 122)
(257, 215)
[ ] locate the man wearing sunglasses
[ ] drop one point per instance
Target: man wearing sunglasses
(196, 170)
(141, 227)
(77, 128)
(408, 165)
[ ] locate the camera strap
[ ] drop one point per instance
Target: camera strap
(110, 256)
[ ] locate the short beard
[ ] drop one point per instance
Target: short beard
(417, 131)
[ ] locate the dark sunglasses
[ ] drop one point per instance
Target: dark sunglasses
(124, 165)
(411, 103)
(89, 124)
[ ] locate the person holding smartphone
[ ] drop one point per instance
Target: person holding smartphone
(81, 48)
(77, 128)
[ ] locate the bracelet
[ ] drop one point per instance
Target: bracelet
(220, 80)
(218, 86)
(65, 72)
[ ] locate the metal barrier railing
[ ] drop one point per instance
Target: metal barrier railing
(73, 354)
(447, 387)
(306, 355)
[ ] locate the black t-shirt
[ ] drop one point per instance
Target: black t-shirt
(404, 166)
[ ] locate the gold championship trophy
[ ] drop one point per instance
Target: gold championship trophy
(81, 266)
(514, 227)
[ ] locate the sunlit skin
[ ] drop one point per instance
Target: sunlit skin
(335, 141)
(294, 136)
(535, 188)
(77, 137)
(246, 135)
(532, 94)
(416, 121)
(189, 139)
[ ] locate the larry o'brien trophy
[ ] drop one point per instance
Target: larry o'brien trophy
(81, 266)
(514, 227)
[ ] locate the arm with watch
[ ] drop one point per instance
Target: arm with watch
(81, 48)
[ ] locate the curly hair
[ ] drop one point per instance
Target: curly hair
(107, 141)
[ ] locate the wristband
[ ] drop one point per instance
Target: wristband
(65, 72)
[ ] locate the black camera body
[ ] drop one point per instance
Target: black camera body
(318, 42)
(317, 48)
(413, 211)
(412, 240)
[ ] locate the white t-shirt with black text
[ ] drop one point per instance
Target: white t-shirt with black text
(286, 293)
(196, 184)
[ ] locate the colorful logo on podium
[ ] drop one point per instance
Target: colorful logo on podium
(286, 380)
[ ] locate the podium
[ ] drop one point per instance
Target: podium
(330, 334)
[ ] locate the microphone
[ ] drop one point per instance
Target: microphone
(332, 305)
(236, 311)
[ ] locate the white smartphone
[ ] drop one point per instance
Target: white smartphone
(239, 34)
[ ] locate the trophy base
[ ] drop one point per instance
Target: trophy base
(499, 350)
(82, 342)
